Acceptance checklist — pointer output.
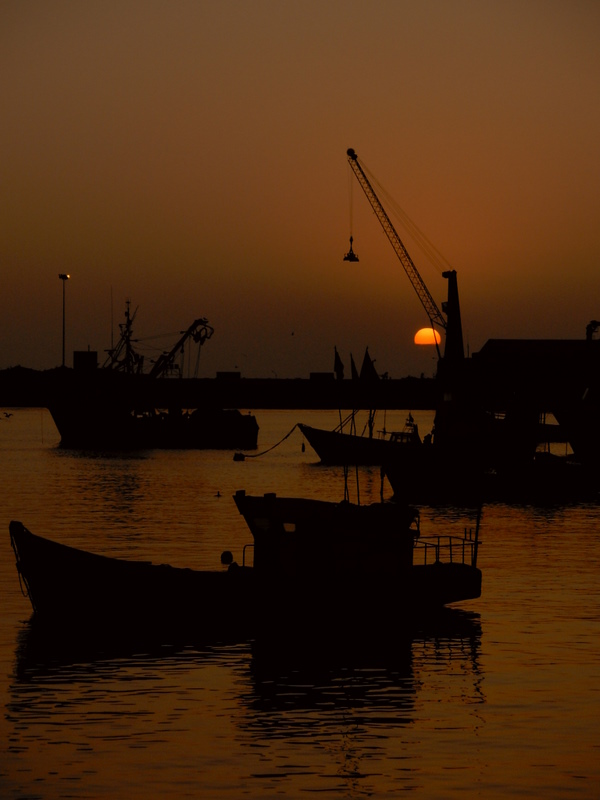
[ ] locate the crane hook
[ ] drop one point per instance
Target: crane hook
(351, 255)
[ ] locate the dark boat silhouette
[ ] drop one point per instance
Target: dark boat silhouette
(121, 407)
(339, 447)
(345, 446)
(310, 562)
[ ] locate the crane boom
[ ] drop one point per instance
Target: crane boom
(199, 331)
(427, 301)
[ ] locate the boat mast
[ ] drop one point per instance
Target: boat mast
(123, 357)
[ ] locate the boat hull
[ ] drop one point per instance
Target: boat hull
(106, 410)
(68, 585)
(90, 593)
(335, 448)
(545, 479)
(126, 429)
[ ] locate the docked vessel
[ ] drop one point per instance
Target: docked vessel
(309, 562)
(342, 447)
(119, 406)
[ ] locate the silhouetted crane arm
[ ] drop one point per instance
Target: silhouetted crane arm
(433, 312)
(199, 331)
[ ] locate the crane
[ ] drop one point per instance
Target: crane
(451, 323)
(199, 331)
(124, 358)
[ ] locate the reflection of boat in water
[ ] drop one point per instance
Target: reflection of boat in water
(374, 677)
(313, 561)
(42, 646)
(351, 704)
(122, 407)
(358, 683)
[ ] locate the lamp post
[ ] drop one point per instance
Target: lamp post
(64, 278)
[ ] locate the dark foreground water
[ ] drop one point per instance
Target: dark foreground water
(502, 699)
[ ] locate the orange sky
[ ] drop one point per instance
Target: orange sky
(191, 156)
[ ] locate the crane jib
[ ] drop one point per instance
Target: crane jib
(435, 315)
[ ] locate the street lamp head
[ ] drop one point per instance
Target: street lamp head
(63, 276)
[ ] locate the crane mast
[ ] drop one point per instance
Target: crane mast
(435, 315)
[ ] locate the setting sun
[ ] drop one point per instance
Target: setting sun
(427, 336)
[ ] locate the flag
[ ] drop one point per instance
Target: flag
(353, 368)
(367, 371)
(338, 366)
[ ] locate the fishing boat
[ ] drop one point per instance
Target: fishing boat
(121, 407)
(104, 412)
(69, 586)
(335, 447)
(368, 560)
(344, 445)
(310, 562)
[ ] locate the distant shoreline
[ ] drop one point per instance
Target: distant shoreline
(23, 387)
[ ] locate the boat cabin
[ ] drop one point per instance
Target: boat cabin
(303, 538)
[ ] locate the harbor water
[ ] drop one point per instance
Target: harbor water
(500, 700)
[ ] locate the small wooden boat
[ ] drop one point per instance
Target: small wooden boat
(311, 561)
(351, 449)
(65, 584)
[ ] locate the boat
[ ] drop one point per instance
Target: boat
(310, 562)
(72, 587)
(369, 561)
(103, 412)
(338, 447)
(121, 407)
(344, 446)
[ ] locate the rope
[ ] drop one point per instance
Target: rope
(22, 579)
(352, 418)
(344, 421)
(243, 456)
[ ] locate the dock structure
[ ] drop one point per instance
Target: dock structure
(29, 388)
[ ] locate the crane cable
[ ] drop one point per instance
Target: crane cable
(436, 258)
(350, 200)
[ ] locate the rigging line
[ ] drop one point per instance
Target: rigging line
(158, 336)
(437, 258)
(339, 428)
(264, 452)
(24, 591)
(431, 251)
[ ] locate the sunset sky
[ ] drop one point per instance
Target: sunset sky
(191, 156)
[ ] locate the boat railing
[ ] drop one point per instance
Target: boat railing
(249, 546)
(446, 549)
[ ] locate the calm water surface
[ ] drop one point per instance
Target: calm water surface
(502, 699)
